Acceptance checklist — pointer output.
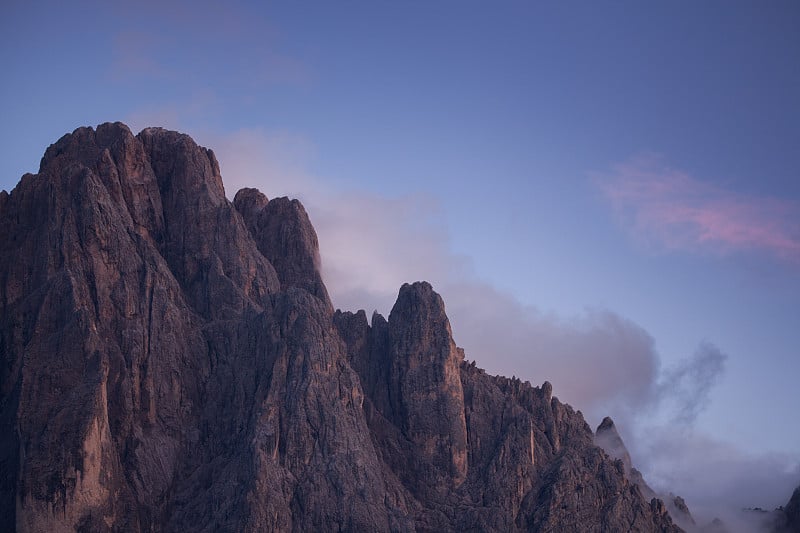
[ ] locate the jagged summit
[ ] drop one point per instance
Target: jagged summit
(284, 235)
(608, 438)
(171, 361)
(606, 425)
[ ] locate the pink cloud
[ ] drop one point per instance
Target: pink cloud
(672, 209)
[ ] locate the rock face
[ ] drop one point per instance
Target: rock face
(171, 361)
(608, 438)
(788, 520)
(284, 235)
(792, 511)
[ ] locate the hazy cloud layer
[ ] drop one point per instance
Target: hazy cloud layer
(370, 244)
(716, 478)
(668, 208)
(600, 362)
(688, 385)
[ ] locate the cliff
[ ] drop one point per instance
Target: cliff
(171, 361)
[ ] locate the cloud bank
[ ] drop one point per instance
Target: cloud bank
(716, 478)
(600, 362)
(670, 209)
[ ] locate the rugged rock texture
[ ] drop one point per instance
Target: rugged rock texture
(426, 401)
(285, 236)
(170, 361)
(608, 438)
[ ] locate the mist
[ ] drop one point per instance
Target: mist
(600, 362)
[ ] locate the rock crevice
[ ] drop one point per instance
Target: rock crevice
(171, 361)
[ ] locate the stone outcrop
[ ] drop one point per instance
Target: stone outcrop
(425, 394)
(607, 437)
(285, 236)
(171, 361)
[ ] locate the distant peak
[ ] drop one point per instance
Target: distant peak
(606, 425)
(607, 437)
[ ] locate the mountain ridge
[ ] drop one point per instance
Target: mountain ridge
(172, 360)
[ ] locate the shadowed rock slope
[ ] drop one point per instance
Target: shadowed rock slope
(171, 361)
(609, 440)
(788, 518)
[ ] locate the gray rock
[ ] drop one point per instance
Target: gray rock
(788, 517)
(607, 437)
(284, 235)
(170, 361)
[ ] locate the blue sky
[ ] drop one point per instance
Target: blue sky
(558, 161)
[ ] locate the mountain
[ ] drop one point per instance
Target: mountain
(788, 520)
(171, 361)
(607, 437)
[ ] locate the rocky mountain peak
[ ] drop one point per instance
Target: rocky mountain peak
(85, 144)
(608, 438)
(427, 399)
(250, 202)
(183, 165)
(171, 361)
(284, 235)
(607, 425)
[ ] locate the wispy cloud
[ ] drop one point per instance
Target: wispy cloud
(200, 103)
(599, 361)
(717, 479)
(371, 244)
(687, 386)
(674, 210)
(618, 362)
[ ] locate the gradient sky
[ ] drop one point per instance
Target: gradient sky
(619, 176)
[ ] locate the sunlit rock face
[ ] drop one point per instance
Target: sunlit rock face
(171, 361)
